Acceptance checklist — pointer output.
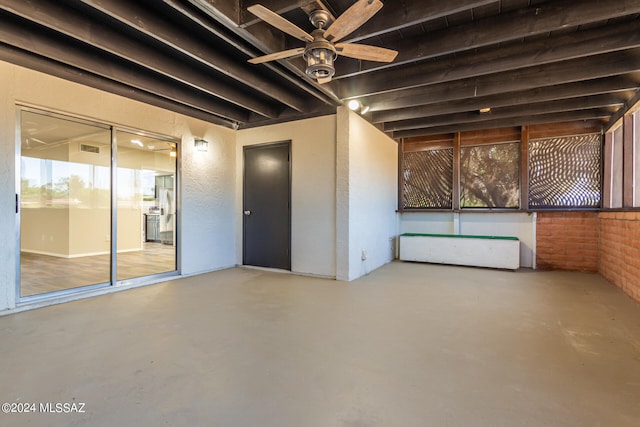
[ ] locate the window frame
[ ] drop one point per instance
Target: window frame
(521, 134)
(518, 174)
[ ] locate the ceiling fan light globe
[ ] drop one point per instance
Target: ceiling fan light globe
(320, 62)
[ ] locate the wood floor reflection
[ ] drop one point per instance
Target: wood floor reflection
(42, 273)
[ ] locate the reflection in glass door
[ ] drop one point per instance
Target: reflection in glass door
(146, 205)
(67, 220)
(65, 204)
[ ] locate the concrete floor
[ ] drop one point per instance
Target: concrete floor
(407, 345)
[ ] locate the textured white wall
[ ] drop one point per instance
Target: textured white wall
(313, 183)
(371, 192)
(517, 224)
(208, 179)
(430, 222)
(208, 200)
(342, 195)
(8, 217)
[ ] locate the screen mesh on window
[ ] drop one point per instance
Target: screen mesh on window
(428, 179)
(565, 172)
(489, 176)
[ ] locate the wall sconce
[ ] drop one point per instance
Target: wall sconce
(201, 145)
(355, 105)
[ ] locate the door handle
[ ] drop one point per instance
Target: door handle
(247, 213)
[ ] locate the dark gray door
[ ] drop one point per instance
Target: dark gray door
(266, 206)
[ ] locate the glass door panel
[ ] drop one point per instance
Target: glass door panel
(146, 203)
(65, 215)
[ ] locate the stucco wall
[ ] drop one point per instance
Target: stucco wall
(8, 218)
(428, 222)
(367, 164)
(207, 179)
(208, 200)
(313, 183)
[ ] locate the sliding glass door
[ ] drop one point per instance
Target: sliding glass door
(65, 204)
(67, 217)
(146, 205)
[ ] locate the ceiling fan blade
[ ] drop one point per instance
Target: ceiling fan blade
(352, 19)
(366, 52)
(277, 55)
(323, 80)
(279, 22)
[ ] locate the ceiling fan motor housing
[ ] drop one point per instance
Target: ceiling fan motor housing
(320, 55)
(319, 18)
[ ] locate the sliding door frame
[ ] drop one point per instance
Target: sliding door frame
(113, 282)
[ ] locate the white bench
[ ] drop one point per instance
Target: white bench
(461, 249)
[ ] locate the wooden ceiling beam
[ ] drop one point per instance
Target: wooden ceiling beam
(397, 15)
(72, 23)
(265, 39)
(531, 109)
(400, 14)
(142, 20)
(38, 63)
(28, 38)
(631, 103)
(590, 114)
(610, 64)
(540, 94)
(471, 64)
(525, 22)
(278, 6)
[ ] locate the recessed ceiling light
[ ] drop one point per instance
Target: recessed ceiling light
(354, 105)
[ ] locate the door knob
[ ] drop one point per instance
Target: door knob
(247, 213)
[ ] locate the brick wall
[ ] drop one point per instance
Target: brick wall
(620, 250)
(567, 241)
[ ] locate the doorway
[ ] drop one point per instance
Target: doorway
(267, 206)
(85, 191)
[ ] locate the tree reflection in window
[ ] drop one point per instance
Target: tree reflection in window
(490, 176)
(59, 184)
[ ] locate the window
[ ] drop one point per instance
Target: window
(483, 169)
(490, 176)
(428, 179)
(564, 172)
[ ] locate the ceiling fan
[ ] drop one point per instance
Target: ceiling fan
(322, 47)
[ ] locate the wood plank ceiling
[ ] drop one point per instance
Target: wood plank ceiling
(529, 61)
